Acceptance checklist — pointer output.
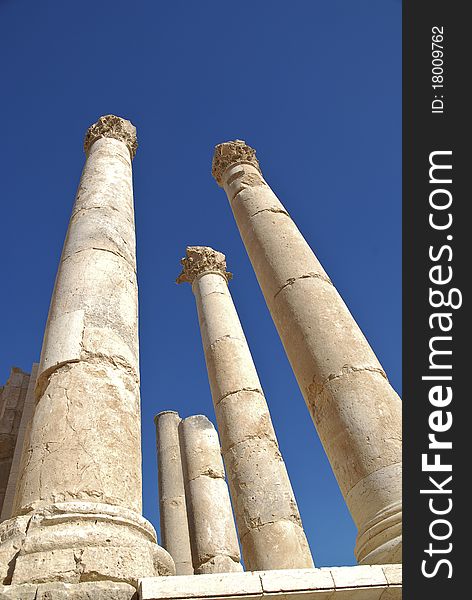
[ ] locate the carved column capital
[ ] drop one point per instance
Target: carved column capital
(110, 126)
(200, 260)
(231, 153)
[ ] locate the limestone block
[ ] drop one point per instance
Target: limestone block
(392, 593)
(338, 583)
(243, 416)
(221, 585)
(19, 592)
(334, 341)
(90, 590)
(259, 468)
(359, 576)
(393, 574)
(296, 579)
(280, 543)
(230, 368)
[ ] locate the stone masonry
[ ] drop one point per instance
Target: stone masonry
(354, 408)
(78, 506)
(71, 524)
(269, 524)
(18, 460)
(12, 399)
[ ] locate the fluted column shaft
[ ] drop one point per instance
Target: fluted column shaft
(212, 532)
(267, 516)
(175, 537)
(80, 488)
(356, 411)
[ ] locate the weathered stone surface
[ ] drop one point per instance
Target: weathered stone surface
(338, 583)
(93, 590)
(356, 411)
(221, 585)
(266, 512)
(175, 536)
(12, 400)
(213, 536)
(110, 126)
(80, 485)
(21, 440)
(230, 153)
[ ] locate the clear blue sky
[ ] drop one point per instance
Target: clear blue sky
(314, 86)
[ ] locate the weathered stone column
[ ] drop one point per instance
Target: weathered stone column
(79, 496)
(212, 532)
(267, 516)
(356, 411)
(175, 536)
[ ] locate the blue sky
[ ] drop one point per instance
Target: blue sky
(314, 86)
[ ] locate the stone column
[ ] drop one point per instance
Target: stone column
(269, 525)
(79, 495)
(175, 536)
(212, 532)
(21, 440)
(356, 411)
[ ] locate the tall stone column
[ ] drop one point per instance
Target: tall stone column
(79, 495)
(213, 536)
(269, 525)
(356, 411)
(175, 536)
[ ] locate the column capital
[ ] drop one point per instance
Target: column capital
(110, 126)
(231, 153)
(200, 260)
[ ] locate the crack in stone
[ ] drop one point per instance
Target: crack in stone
(209, 557)
(209, 473)
(117, 362)
(262, 436)
(272, 210)
(225, 337)
(245, 389)
(314, 389)
(258, 524)
(292, 280)
(251, 180)
(102, 250)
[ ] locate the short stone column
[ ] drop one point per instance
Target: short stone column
(79, 495)
(175, 536)
(212, 532)
(269, 525)
(356, 411)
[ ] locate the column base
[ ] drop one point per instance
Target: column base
(380, 541)
(73, 542)
(98, 590)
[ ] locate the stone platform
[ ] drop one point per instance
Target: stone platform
(377, 582)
